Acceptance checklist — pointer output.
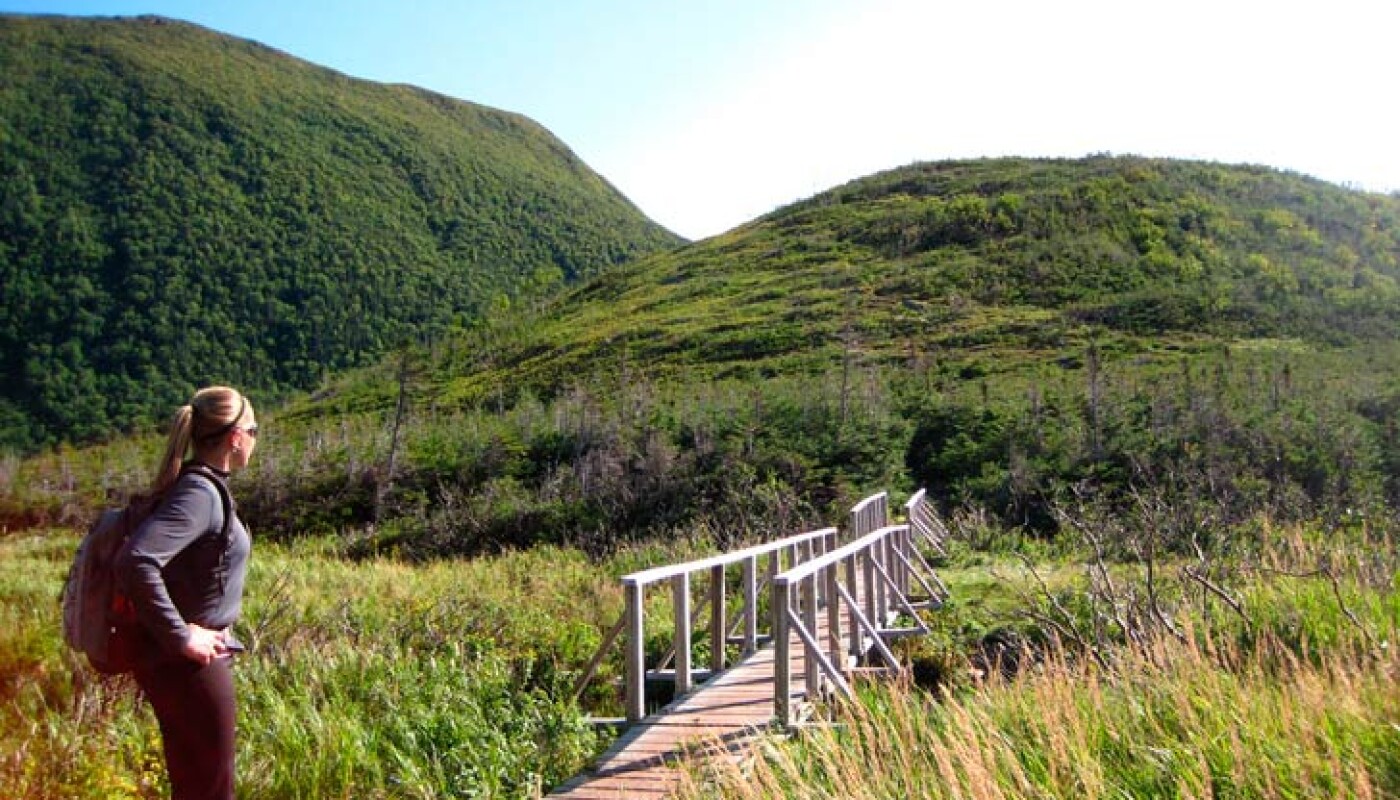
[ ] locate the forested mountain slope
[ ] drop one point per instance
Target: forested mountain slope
(179, 207)
(1012, 334)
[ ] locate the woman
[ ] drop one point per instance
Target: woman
(184, 569)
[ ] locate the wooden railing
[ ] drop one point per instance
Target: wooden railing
(870, 514)
(925, 525)
(862, 580)
(924, 519)
(776, 556)
(867, 580)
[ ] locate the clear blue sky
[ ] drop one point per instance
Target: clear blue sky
(707, 113)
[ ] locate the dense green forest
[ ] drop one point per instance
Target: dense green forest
(179, 207)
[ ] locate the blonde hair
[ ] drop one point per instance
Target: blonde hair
(211, 413)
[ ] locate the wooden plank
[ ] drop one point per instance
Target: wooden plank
(719, 719)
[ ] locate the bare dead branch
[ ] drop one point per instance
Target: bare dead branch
(1070, 630)
(1210, 586)
(1342, 604)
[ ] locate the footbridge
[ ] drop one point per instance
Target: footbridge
(784, 628)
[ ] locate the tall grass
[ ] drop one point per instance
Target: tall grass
(365, 679)
(452, 678)
(1170, 723)
(1295, 698)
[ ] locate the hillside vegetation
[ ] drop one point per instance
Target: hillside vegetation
(1013, 334)
(179, 207)
(983, 267)
(1018, 336)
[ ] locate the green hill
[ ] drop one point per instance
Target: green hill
(982, 267)
(180, 207)
(1010, 333)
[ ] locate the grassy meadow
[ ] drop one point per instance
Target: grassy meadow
(1055, 672)
(1281, 686)
(1214, 614)
(1198, 632)
(364, 679)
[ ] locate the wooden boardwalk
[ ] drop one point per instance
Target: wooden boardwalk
(719, 719)
(821, 596)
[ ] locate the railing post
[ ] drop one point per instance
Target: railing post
(868, 561)
(892, 566)
(853, 583)
(911, 548)
(750, 605)
(718, 620)
(892, 563)
(897, 550)
(782, 656)
(882, 557)
(636, 658)
(680, 588)
(809, 621)
(833, 605)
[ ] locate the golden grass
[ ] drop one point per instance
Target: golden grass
(1171, 722)
(1302, 703)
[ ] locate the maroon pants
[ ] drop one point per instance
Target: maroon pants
(195, 707)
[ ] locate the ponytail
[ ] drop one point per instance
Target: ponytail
(181, 433)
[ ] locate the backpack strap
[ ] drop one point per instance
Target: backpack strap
(207, 474)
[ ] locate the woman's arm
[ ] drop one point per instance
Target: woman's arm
(185, 515)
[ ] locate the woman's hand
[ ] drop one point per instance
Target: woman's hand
(204, 645)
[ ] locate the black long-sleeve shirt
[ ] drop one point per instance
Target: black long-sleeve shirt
(173, 566)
